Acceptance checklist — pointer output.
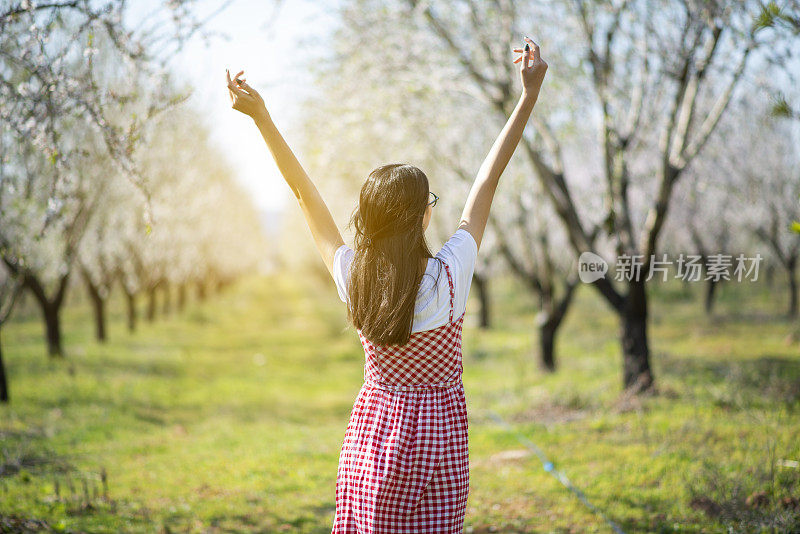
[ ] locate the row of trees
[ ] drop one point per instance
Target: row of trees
(105, 175)
(645, 104)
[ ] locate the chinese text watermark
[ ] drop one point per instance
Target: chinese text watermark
(688, 267)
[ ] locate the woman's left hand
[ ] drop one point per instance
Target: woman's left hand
(244, 98)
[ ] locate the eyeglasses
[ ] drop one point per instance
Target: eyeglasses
(435, 198)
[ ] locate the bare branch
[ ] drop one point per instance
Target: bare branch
(690, 98)
(716, 112)
(20, 9)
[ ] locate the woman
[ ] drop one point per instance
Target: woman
(403, 465)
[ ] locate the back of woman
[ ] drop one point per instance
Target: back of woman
(405, 447)
(429, 354)
(404, 462)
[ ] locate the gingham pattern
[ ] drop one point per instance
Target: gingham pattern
(404, 462)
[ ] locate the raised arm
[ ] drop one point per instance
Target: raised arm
(323, 228)
(479, 201)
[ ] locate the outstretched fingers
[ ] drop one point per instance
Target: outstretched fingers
(535, 47)
(228, 80)
(525, 55)
(535, 53)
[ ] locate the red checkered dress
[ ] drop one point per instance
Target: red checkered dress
(404, 464)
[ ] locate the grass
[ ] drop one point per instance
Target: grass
(229, 417)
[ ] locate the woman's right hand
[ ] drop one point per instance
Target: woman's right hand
(532, 69)
(244, 98)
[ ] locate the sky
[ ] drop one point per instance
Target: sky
(268, 40)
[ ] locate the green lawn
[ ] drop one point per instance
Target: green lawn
(229, 416)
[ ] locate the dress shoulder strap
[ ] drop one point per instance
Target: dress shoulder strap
(452, 291)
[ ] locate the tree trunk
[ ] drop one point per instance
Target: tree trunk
(51, 309)
(547, 337)
(167, 305)
(99, 308)
(201, 290)
(792, 273)
(769, 274)
(635, 348)
(3, 379)
(711, 286)
(686, 287)
(550, 322)
(181, 296)
(130, 299)
(52, 322)
(151, 304)
(481, 286)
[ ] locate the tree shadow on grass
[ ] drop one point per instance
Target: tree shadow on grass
(759, 499)
(25, 453)
(168, 368)
(740, 383)
(317, 519)
(750, 317)
(22, 525)
(654, 519)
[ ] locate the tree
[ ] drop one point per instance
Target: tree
(101, 253)
(541, 270)
(42, 260)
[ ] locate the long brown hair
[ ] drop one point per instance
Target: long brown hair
(385, 273)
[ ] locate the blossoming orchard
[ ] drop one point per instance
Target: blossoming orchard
(435, 266)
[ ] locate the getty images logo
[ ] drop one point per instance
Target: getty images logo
(591, 267)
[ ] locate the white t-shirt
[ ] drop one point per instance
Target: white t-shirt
(432, 308)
